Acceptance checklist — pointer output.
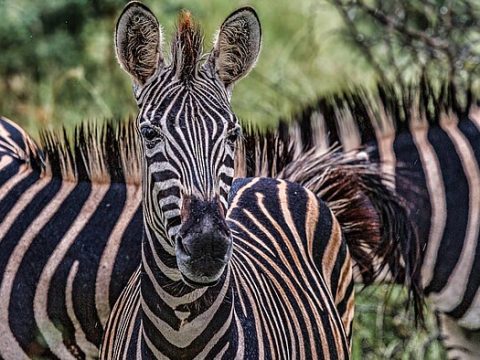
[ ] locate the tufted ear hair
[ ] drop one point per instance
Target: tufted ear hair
(138, 40)
(237, 45)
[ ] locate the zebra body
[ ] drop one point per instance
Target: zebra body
(289, 273)
(65, 252)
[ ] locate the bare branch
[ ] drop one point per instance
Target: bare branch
(356, 36)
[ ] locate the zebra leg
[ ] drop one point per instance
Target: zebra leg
(459, 342)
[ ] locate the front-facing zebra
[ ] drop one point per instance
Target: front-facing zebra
(289, 282)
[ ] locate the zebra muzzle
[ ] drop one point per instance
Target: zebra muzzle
(204, 243)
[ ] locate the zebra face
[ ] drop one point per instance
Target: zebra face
(189, 142)
(188, 130)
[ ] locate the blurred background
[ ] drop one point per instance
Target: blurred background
(58, 68)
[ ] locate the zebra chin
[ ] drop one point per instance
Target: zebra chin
(201, 282)
(203, 272)
(202, 258)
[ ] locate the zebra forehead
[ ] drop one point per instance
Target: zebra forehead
(189, 108)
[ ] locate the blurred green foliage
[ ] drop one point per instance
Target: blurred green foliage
(404, 40)
(57, 67)
(385, 329)
(57, 62)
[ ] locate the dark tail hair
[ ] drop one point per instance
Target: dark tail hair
(374, 218)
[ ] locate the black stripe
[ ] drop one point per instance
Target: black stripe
(457, 199)
(129, 255)
(9, 171)
(10, 200)
(473, 283)
(411, 183)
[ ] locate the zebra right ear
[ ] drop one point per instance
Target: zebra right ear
(138, 40)
(237, 45)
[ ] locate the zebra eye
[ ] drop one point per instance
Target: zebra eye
(149, 133)
(233, 135)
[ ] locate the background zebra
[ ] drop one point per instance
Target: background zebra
(429, 142)
(69, 218)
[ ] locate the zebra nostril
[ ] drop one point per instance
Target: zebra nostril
(182, 246)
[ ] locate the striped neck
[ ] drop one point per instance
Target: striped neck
(178, 319)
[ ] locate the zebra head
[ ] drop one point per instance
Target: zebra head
(188, 131)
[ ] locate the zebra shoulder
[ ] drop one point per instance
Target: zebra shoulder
(295, 208)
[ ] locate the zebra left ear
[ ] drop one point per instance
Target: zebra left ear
(237, 45)
(138, 40)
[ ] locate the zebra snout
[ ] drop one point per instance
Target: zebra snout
(206, 247)
(204, 243)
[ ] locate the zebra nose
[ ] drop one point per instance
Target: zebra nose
(213, 246)
(204, 243)
(204, 231)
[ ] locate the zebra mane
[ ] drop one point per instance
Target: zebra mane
(186, 46)
(358, 116)
(97, 153)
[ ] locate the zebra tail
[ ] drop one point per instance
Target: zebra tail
(374, 219)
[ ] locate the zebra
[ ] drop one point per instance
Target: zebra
(188, 299)
(71, 220)
(428, 141)
(68, 222)
(282, 294)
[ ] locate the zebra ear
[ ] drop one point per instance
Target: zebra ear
(138, 40)
(237, 45)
